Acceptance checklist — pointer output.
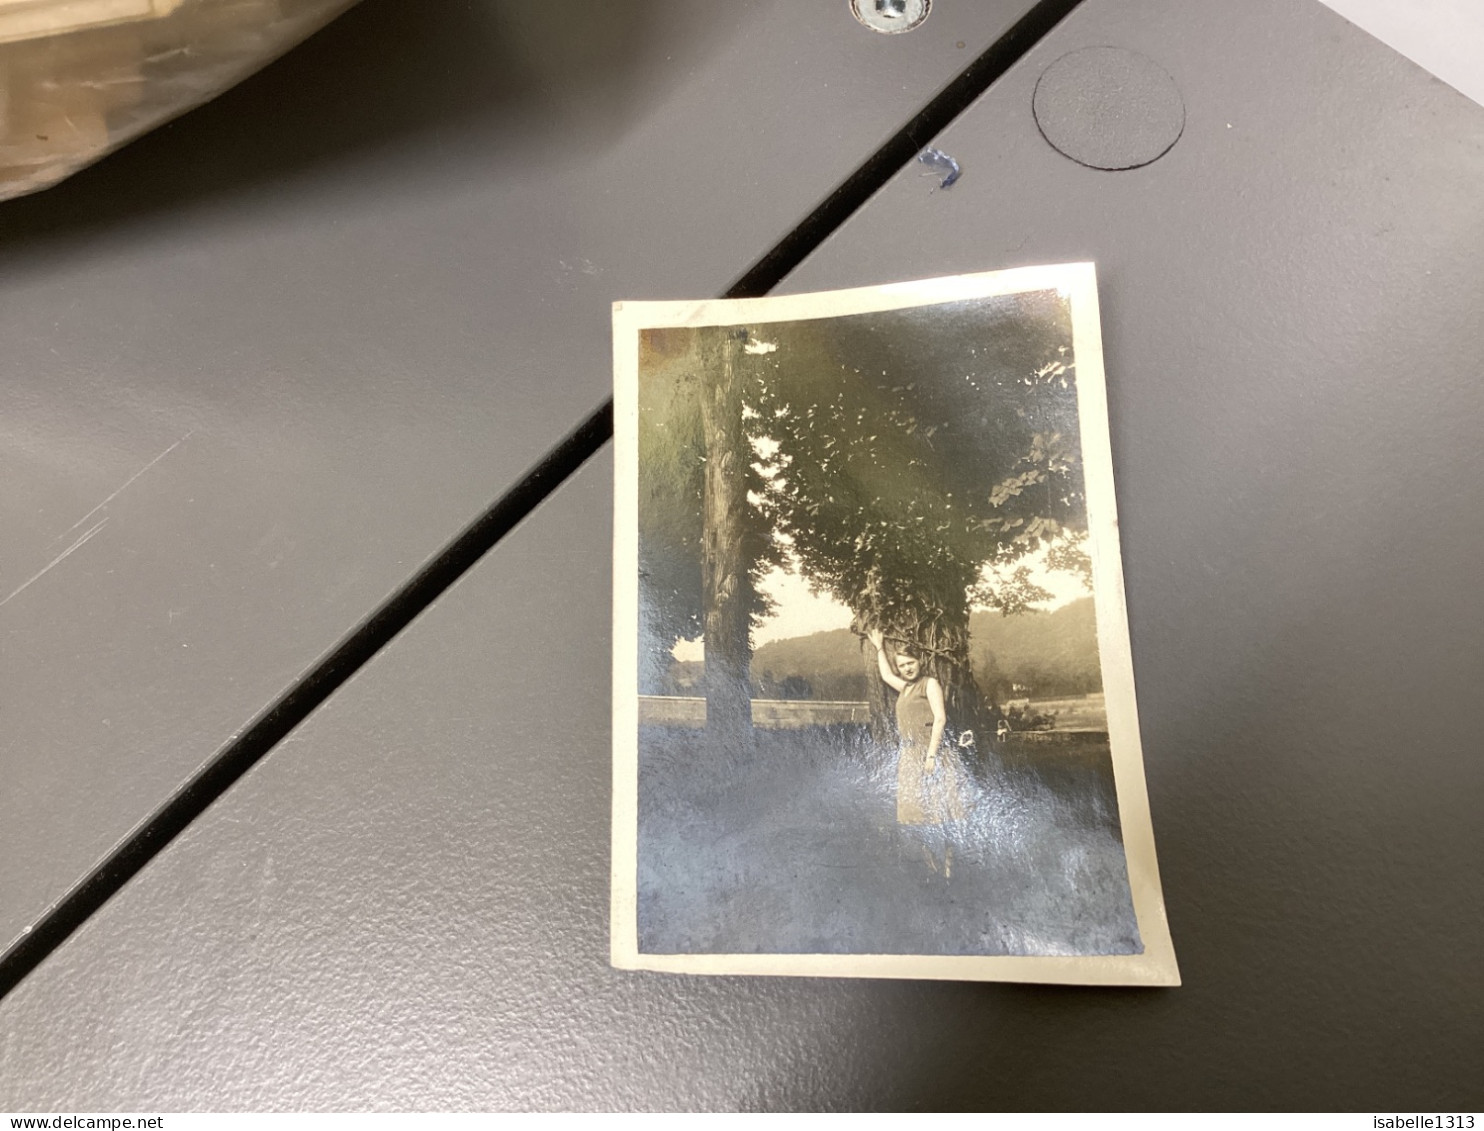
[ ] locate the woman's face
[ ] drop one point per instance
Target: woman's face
(908, 667)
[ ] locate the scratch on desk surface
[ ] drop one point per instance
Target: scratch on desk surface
(56, 561)
(124, 486)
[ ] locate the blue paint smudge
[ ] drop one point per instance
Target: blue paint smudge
(937, 159)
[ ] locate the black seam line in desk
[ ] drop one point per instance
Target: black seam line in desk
(301, 699)
(901, 148)
(426, 586)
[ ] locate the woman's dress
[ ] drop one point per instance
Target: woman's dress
(924, 798)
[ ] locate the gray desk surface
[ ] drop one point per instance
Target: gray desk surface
(405, 904)
(264, 364)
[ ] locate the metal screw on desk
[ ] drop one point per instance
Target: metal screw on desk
(891, 16)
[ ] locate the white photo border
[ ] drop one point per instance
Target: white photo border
(1156, 965)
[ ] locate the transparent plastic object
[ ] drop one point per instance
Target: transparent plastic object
(79, 78)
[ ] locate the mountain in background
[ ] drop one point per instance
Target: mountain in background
(1033, 655)
(1036, 655)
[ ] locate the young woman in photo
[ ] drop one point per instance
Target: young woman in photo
(930, 787)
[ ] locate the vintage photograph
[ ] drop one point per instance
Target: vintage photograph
(874, 710)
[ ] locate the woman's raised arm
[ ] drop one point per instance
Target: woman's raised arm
(889, 677)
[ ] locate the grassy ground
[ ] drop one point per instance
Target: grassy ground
(793, 847)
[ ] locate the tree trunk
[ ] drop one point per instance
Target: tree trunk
(945, 639)
(726, 597)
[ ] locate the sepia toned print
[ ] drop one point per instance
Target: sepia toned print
(873, 699)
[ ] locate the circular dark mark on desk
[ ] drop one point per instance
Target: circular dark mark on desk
(1109, 108)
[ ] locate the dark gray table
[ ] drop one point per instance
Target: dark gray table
(404, 905)
(265, 364)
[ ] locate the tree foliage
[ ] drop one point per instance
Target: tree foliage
(909, 453)
(906, 462)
